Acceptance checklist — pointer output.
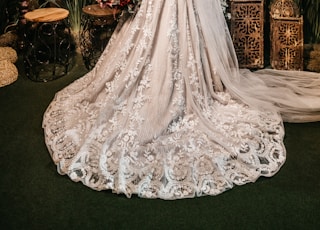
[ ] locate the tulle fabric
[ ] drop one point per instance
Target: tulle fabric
(293, 93)
(166, 112)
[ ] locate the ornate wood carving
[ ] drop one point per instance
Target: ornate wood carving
(247, 29)
(286, 36)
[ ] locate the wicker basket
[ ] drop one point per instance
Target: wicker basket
(312, 57)
(8, 73)
(8, 53)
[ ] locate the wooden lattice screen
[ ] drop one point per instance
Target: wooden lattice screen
(286, 36)
(247, 31)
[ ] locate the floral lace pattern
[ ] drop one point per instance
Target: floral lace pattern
(151, 124)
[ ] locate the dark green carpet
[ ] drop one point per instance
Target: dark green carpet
(35, 196)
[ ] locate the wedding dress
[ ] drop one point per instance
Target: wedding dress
(166, 112)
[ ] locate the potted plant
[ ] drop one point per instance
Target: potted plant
(311, 12)
(75, 11)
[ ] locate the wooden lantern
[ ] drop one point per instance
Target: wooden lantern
(286, 36)
(247, 31)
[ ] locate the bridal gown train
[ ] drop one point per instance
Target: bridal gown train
(166, 113)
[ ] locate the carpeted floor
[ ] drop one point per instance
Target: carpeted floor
(35, 196)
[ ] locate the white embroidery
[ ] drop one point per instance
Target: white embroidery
(144, 122)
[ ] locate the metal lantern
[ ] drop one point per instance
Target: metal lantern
(286, 35)
(247, 31)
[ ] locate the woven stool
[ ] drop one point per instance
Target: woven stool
(8, 53)
(8, 73)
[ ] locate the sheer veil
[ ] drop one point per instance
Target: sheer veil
(295, 94)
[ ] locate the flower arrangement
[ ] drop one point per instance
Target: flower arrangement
(130, 5)
(133, 5)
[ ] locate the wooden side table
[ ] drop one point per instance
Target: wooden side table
(98, 25)
(47, 54)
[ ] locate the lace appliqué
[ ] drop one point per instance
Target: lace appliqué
(151, 124)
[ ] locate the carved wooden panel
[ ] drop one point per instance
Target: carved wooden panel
(286, 36)
(287, 44)
(247, 31)
(284, 9)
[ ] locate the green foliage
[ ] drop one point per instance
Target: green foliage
(312, 15)
(75, 10)
(54, 2)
